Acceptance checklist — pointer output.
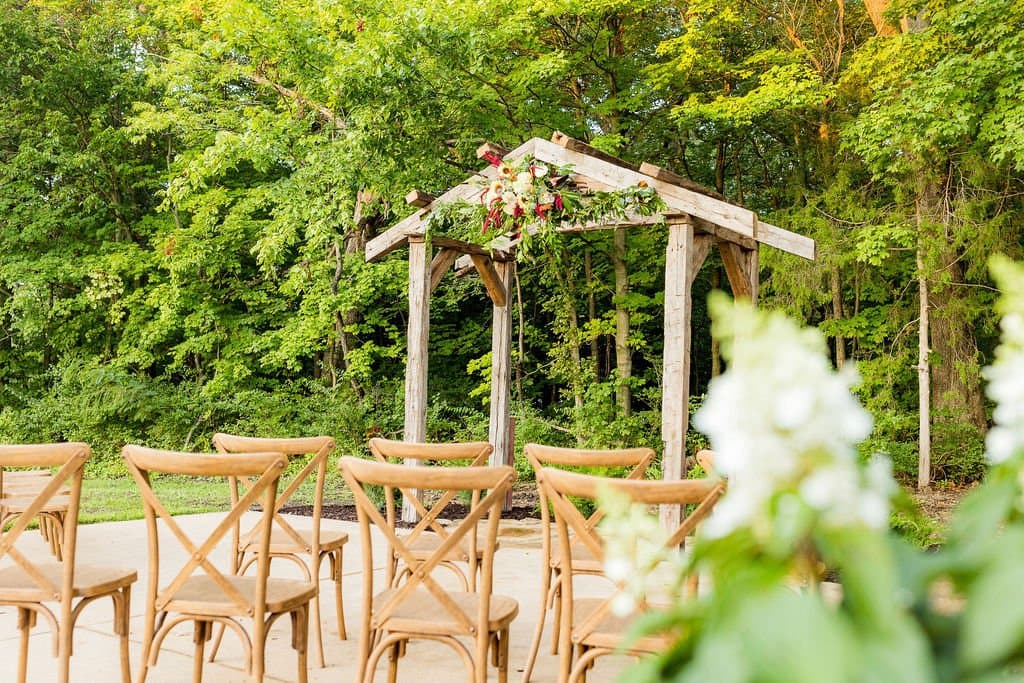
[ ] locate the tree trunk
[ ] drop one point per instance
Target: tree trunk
(924, 452)
(623, 357)
(837, 314)
(956, 372)
(716, 349)
(595, 351)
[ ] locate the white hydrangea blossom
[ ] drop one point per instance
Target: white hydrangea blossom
(634, 546)
(780, 421)
(1006, 387)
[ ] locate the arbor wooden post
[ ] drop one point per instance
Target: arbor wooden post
(675, 398)
(416, 353)
(501, 376)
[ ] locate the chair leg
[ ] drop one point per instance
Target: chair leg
(503, 656)
(200, 635)
(538, 632)
(26, 620)
(339, 598)
(148, 633)
(393, 656)
(556, 600)
(314, 618)
(122, 617)
(300, 640)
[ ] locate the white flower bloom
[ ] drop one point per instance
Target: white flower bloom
(783, 423)
(618, 569)
(523, 183)
(1006, 376)
(539, 170)
(623, 604)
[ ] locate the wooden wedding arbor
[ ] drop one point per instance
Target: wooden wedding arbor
(696, 219)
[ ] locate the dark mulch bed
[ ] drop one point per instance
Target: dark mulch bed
(347, 513)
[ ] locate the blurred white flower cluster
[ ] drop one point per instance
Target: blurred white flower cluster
(1005, 387)
(634, 546)
(784, 425)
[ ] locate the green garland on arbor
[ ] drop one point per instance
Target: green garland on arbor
(526, 202)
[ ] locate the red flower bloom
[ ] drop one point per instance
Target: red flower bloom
(558, 202)
(493, 158)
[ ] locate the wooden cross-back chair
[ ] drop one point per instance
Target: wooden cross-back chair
(633, 462)
(19, 487)
(428, 534)
(420, 607)
(28, 584)
(587, 628)
(202, 593)
(286, 542)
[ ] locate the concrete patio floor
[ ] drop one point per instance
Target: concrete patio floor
(517, 574)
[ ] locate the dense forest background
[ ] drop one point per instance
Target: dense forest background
(186, 187)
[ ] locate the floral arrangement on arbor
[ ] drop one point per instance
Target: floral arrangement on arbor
(527, 199)
(784, 428)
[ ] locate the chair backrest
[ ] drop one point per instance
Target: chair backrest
(706, 460)
(560, 486)
(359, 474)
(471, 453)
(263, 469)
(319, 447)
(634, 460)
(69, 459)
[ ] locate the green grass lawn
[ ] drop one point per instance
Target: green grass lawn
(118, 499)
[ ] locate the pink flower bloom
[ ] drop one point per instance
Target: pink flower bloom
(558, 202)
(493, 158)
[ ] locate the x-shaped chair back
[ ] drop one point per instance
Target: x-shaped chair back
(495, 481)
(262, 469)
(634, 461)
(560, 487)
(319, 447)
(472, 453)
(69, 459)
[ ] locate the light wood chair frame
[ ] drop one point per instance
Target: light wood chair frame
(86, 583)
(17, 489)
(428, 534)
(635, 460)
(264, 469)
(299, 545)
(585, 640)
(384, 628)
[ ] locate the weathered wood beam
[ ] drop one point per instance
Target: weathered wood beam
(468, 248)
(723, 234)
(676, 179)
(492, 280)
(396, 235)
(675, 398)
(420, 199)
(701, 249)
(680, 200)
(737, 269)
(572, 144)
(499, 427)
(416, 353)
(440, 265)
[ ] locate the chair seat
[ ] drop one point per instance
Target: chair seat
(422, 613)
(583, 561)
(281, 542)
(201, 595)
(15, 584)
(611, 630)
(426, 543)
(59, 503)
